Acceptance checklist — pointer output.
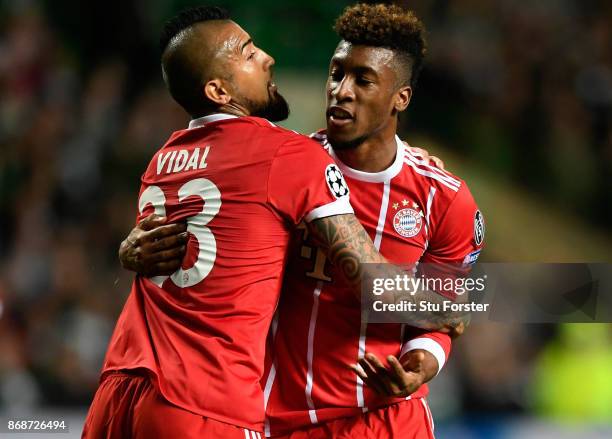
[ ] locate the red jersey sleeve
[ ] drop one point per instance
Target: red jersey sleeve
(459, 235)
(457, 239)
(305, 184)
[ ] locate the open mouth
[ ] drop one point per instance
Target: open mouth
(339, 116)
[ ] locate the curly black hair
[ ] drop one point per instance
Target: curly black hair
(389, 26)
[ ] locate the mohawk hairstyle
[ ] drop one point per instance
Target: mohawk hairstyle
(182, 71)
(187, 18)
(389, 26)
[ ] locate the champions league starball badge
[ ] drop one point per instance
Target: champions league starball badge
(335, 181)
(408, 222)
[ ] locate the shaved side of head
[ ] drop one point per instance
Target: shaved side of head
(190, 43)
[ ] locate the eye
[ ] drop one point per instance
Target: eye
(335, 75)
(363, 81)
(251, 55)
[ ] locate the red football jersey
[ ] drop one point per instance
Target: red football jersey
(413, 212)
(241, 184)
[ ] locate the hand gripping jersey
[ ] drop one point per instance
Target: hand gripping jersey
(413, 212)
(241, 184)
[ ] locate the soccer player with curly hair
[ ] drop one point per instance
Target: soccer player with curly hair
(413, 211)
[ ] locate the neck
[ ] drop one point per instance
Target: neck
(375, 154)
(231, 108)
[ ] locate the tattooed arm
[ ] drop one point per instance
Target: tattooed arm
(349, 248)
(154, 249)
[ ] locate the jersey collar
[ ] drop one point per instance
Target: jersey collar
(201, 121)
(374, 177)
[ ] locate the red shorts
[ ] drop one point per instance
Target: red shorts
(406, 420)
(128, 406)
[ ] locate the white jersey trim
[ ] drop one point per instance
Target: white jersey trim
(310, 353)
(431, 174)
(422, 167)
(267, 391)
(271, 374)
(380, 227)
(249, 434)
(430, 197)
(339, 207)
(429, 345)
(429, 415)
(382, 215)
(201, 121)
(374, 177)
(361, 347)
(425, 164)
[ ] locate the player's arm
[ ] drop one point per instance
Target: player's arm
(154, 248)
(458, 240)
(402, 377)
(422, 357)
(349, 248)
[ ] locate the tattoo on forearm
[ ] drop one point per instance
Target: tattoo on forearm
(351, 250)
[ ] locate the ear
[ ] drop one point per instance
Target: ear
(402, 98)
(216, 91)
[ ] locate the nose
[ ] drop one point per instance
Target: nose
(268, 60)
(343, 90)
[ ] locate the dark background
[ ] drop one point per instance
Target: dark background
(516, 97)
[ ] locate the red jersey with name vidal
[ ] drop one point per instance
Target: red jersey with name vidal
(242, 184)
(413, 211)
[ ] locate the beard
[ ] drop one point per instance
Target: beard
(275, 109)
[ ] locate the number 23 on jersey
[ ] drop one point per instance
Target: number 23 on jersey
(196, 225)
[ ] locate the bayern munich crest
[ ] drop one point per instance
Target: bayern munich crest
(408, 222)
(335, 181)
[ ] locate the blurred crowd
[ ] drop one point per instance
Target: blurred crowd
(72, 149)
(524, 88)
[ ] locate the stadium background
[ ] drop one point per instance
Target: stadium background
(516, 98)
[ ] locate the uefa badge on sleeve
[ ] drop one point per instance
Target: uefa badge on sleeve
(335, 181)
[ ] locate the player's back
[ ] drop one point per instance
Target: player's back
(239, 183)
